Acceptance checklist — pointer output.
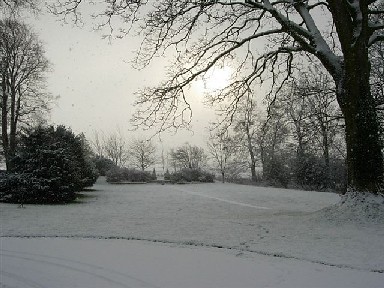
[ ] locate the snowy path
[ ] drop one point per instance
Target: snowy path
(221, 199)
(54, 263)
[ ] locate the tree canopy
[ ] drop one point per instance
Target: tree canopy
(23, 68)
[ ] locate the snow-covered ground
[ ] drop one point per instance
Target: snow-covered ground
(198, 235)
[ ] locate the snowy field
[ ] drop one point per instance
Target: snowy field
(197, 235)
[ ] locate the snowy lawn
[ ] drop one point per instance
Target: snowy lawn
(274, 237)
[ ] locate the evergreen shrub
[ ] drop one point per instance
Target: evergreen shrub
(51, 164)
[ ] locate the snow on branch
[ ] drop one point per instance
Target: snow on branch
(376, 37)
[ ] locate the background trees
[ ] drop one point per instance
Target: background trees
(23, 95)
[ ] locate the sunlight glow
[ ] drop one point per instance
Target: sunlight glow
(213, 80)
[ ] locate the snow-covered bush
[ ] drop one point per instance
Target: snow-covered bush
(117, 174)
(50, 166)
(189, 175)
(26, 188)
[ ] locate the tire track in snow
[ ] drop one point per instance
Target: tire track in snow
(34, 258)
(222, 200)
(26, 282)
(203, 245)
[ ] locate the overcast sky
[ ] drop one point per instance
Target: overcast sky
(96, 82)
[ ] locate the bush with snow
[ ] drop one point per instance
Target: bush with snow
(191, 175)
(50, 166)
(355, 207)
(117, 174)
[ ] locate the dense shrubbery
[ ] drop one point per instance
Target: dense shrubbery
(103, 165)
(307, 172)
(189, 175)
(310, 172)
(276, 172)
(50, 166)
(117, 174)
(167, 175)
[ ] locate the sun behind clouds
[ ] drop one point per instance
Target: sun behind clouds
(215, 79)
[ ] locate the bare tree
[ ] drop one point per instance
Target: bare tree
(221, 147)
(325, 115)
(142, 153)
(205, 34)
(246, 127)
(115, 148)
(271, 139)
(23, 95)
(309, 105)
(97, 143)
(188, 156)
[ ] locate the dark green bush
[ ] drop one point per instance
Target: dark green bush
(50, 166)
(26, 188)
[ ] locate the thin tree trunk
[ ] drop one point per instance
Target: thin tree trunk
(325, 141)
(4, 118)
(251, 154)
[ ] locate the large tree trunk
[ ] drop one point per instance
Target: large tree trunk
(364, 156)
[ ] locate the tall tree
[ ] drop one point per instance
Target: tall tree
(246, 128)
(205, 34)
(23, 67)
(115, 148)
(221, 147)
(272, 141)
(142, 153)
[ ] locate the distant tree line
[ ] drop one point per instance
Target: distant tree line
(118, 159)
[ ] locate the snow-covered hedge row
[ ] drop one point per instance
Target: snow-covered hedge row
(117, 174)
(189, 175)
